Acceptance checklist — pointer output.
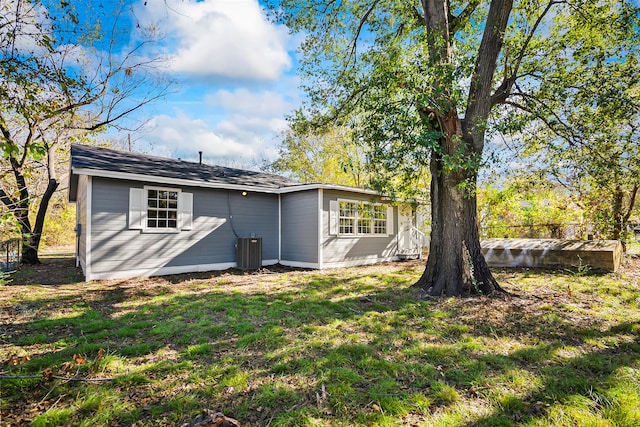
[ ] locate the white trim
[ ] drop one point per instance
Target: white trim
(145, 222)
(170, 181)
(305, 187)
(320, 227)
(279, 227)
(77, 233)
(299, 264)
(89, 220)
(219, 185)
(164, 271)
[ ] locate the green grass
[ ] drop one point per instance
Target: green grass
(352, 347)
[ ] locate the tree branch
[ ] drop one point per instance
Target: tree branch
(457, 22)
(479, 99)
(632, 203)
(363, 20)
(26, 377)
(503, 91)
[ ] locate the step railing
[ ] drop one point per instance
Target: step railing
(414, 251)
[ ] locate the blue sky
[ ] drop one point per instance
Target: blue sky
(236, 81)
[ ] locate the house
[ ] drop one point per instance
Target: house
(140, 215)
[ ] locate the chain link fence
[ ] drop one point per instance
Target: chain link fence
(571, 231)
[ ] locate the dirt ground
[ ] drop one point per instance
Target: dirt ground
(59, 269)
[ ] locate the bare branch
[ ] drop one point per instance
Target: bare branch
(363, 20)
(503, 91)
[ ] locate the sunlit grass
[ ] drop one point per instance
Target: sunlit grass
(352, 347)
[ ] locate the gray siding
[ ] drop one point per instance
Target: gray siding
(116, 248)
(81, 218)
(300, 227)
(350, 250)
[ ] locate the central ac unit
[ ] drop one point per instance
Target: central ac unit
(249, 253)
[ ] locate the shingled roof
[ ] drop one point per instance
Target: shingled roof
(98, 161)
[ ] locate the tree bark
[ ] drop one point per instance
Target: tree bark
(31, 240)
(455, 265)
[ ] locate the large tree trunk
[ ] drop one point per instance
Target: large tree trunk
(455, 265)
(31, 238)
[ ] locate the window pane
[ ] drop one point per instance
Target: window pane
(364, 226)
(380, 211)
(346, 226)
(162, 209)
(364, 210)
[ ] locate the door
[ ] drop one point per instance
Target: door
(406, 244)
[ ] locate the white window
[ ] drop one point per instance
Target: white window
(362, 218)
(380, 219)
(348, 213)
(158, 209)
(162, 208)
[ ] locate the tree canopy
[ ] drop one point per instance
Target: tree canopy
(61, 78)
(422, 82)
(580, 121)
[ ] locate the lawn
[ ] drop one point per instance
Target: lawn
(348, 347)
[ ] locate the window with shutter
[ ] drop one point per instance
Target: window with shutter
(158, 209)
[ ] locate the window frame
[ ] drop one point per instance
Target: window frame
(359, 220)
(145, 226)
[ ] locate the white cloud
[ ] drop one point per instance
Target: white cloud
(236, 140)
(262, 104)
(243, 128)
(220, 38)
(182, 136)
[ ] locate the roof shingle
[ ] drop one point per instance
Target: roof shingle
(105, 159)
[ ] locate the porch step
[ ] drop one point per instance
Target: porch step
(405, 256)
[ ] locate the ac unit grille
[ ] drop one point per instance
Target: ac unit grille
(249, 253)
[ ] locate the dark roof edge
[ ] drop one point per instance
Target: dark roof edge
(281, 185)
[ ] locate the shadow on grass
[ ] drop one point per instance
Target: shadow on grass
(52, 270)
(318, 348)
(575, 389)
